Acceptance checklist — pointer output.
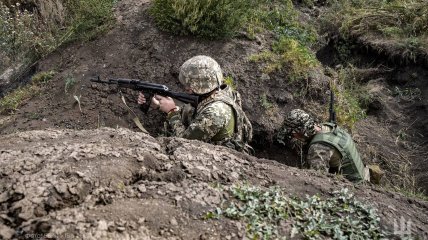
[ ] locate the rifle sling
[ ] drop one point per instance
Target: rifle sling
(135, 119)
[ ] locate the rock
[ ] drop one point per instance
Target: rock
(6, 232)
(102, 225)
(173, 222)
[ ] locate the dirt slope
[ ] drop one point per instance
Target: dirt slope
(96, 192)
(118, 184)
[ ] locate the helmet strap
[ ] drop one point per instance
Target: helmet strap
(218, 83)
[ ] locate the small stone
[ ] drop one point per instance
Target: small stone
(142, 188)
(6, 232)
(173, 222)
(102, 225)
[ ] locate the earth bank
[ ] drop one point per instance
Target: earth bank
(118, 184)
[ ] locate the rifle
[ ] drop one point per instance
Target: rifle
(149, 90)
(332, 117)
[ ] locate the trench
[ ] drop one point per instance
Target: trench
(402, 74)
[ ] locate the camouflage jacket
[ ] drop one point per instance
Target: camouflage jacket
(218, 119)
(333, 150)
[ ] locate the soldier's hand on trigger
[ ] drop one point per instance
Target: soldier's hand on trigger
(142, 100)
(166, 104)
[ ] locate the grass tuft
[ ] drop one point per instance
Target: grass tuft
(12, 101)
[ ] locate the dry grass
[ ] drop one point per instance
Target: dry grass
(397, 28)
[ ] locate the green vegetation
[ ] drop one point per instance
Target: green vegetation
(230, 82)
(338, 217)
(223, 18)
(207, 18)
(291, 51)
(70, 81)
(397, 27)
(20, 33)
(24, 38)
(265, 102)
(11, 102)
(351, 98)
(88, 18)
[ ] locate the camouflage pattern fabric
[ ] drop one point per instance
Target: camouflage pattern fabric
(296, 121)
(323, 157)
(209, 124)
(215, 121)
(331, 149)
(202, 74)
(351, 165)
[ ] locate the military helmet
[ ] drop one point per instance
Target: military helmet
(202, 74)
(298, 121)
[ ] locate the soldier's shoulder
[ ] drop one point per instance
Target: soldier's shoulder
(219, 105)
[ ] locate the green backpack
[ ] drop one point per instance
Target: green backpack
(351, 166)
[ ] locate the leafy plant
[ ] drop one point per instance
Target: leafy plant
(204, 18)
(25, 38)
(69, 83)
(336, 217)
(20, 33)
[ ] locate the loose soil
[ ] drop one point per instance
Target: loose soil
(394, 135)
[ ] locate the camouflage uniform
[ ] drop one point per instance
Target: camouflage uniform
(324, 154)
(212, 122)
(219, 118)
(323, 157)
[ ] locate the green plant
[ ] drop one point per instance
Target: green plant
(42, 77)
(69, 83)
(290, 55)
(291, 50)
(205, 18)
(313, 218)
(88, 18)
(397, 27)
(266, 104)
(230, 82)
(351, 98)
(21, 35)
(11, 102)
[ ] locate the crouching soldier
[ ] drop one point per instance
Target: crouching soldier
(326, 146)
(218, 118)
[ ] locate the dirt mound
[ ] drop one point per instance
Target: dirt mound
(135, 48)
(115, 183)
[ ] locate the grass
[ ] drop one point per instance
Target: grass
(351, 98)
(212, 19)
(397, 27)
(24, 38)
(230, 82)
(266, 212)
(12, 101)
(291, 49)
